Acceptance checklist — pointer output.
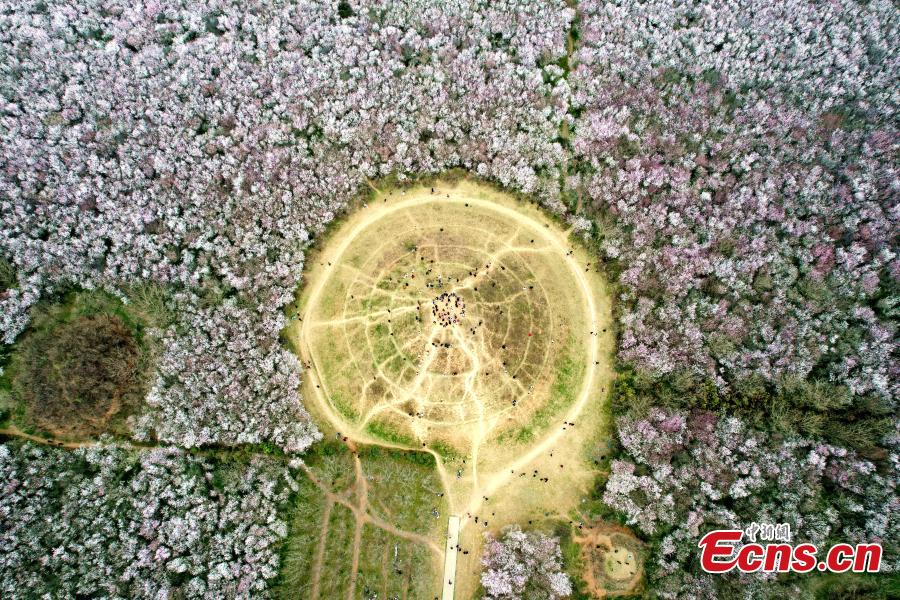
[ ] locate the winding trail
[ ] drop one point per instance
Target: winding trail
(362, 517)
(320, 549)
(13, 431)
(362, 498)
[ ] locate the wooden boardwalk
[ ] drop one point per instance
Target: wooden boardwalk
(450, 557)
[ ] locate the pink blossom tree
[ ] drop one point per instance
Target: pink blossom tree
(521, 565)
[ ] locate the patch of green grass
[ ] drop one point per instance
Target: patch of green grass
(404, 493)
(331, 303)
(404, 324)
(5, 410)
(853, 586)
(336, 470)
(525, 435)
(150, 302)
(395, 365)
(344, 408)
(86, 351)
(305, 517)
(391, 567)
(402, 489)
(569, 374)
(8, 278)
(415, 457)
(326, 447)
(86, 303)
(378, 571)
(373, 303)
(572, 562)
(337, 368)
(335, 575)
(382, 346)
(384, 432)
(446, 451)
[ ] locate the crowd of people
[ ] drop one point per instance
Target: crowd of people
(448, 309)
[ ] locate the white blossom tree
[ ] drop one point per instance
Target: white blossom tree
(526, 566)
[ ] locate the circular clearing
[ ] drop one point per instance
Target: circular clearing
(446, 320)
(613, 559)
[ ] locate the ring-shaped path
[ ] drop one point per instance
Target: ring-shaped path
(490, 390)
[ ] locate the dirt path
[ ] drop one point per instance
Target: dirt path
(13, 431)
(320, 550)
(362, 499)
(363, 517)
(385, 557)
